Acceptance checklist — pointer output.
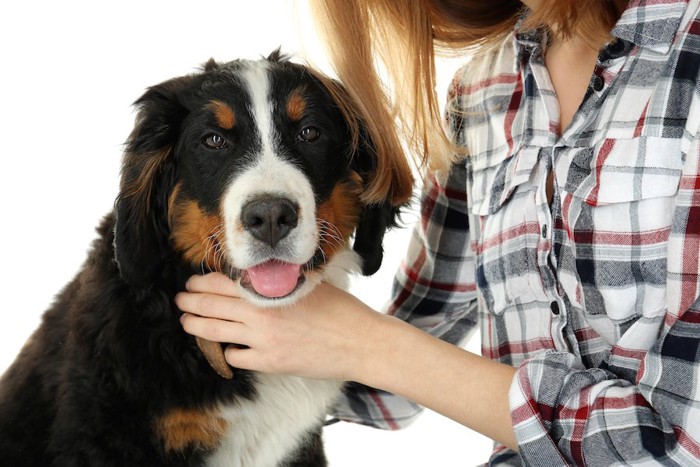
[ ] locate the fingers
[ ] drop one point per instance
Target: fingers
(251, 358)
(215, 329)
(210, 305)
(245, 359)
(215, 283)
(212, 309)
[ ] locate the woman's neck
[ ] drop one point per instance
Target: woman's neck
(578, 37)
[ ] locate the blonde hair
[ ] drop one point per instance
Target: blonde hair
(400, 37)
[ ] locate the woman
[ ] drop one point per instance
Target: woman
(568, 228)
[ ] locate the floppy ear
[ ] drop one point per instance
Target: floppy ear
(374, 222)
(376, 218)
(147, 179)
(387, 183)
(377, 215)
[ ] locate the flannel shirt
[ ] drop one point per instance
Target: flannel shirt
(594, 294)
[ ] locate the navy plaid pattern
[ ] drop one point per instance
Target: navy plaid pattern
(593, 295)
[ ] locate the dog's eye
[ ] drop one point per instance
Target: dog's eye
(308, 134)
(214, 141)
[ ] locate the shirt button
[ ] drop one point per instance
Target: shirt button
(554, 306)
(616, 48)
(544, 231)
(598, 84)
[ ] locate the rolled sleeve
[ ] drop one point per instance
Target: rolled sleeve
(563, 414)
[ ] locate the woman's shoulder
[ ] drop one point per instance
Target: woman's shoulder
(486, 66)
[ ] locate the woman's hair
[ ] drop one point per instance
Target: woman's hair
(384, 53)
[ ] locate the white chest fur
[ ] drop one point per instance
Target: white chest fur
(264, 432)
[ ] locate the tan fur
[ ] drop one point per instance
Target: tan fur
(180, 429)
(296, 105)
(142, 187)
(225, 116)
(339, 216)
(198, 235)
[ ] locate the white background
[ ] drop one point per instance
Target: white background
(69, 72)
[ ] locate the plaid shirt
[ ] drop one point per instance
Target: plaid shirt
(594, 294)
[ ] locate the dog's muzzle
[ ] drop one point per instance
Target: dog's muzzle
(270, 219)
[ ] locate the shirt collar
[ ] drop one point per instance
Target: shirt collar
(651, 23)
(646, 23)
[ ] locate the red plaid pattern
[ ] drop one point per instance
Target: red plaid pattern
(594, 296)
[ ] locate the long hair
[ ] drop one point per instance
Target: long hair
(384, 53)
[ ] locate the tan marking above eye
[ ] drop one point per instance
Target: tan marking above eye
(225, 116)
(296, 105)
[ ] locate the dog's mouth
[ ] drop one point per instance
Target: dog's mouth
(273, 279)
(270, 280)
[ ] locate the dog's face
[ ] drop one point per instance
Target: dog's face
(249, 168)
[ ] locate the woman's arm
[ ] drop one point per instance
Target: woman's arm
(332, 335)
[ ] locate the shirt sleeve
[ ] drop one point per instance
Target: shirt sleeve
(434, 290)
(564, 414)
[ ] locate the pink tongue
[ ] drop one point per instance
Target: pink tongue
(274, 278)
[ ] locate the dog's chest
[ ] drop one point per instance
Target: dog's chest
(263, 432)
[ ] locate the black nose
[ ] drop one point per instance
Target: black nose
(269, 219)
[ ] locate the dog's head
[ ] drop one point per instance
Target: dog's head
(256, 169)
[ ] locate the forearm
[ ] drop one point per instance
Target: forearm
(458, 384)
(352, 342)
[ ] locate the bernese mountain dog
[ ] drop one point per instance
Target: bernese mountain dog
(256, 169)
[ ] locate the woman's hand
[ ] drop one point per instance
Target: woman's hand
(328, 334)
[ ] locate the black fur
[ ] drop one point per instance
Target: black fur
(374, 221)
(110, 356)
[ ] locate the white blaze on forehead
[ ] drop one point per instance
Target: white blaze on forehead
(256, 78)
(269, 174)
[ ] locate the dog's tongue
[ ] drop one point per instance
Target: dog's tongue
(274, 278)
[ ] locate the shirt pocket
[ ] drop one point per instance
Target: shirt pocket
(502, 211)
(626, 171)
(618, 208)
(493, 179)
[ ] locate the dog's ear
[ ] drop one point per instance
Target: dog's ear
(147, 179)
(369, 234)
(210, 65)
(276, 56)
(376, 218)
(386, 179)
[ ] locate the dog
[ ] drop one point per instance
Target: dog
(256, 169)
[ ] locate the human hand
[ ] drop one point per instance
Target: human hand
(328, 334)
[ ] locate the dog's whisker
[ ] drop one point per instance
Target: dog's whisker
(211, 258)
(219, 257)
(329, 230)
(205, 259)
(330, 235)
(331, 240)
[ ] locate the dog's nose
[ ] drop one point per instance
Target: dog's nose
(269, 219)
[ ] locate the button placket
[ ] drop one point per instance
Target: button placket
(544, 250)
